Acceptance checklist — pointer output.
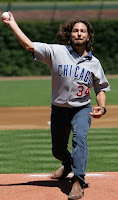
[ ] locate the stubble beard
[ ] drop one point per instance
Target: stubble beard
(77, 43)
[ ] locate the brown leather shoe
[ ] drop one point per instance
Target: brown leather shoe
(61, 173)
(76, 192)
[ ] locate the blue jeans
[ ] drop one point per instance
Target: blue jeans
(63, 120)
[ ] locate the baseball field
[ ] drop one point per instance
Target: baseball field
(26, 161)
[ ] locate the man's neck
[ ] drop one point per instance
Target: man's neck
(81, 51)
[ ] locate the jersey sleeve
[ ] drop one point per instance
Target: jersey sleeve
(43, 52)
(100, 82)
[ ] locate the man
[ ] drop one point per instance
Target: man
(74, 71)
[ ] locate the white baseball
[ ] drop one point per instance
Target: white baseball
(5, 14)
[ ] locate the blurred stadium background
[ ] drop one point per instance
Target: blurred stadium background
(61, 10)
(40, 21)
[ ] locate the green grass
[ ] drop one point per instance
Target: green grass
(29, 151)
(112, 96)
(103, 150)
(38, 93)
(25, 93)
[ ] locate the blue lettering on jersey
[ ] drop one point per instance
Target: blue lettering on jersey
(87, 76)
(70, 70)
(59, 70)
(77, 68)
(65, 70)
(90, 80)
(80, 74)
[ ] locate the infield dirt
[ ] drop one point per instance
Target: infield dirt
(39, 118)
(102, 185)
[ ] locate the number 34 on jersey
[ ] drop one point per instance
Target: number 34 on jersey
(82, 91)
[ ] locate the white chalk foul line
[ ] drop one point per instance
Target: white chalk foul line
(49, 175)
(99, 175)
(40, 175)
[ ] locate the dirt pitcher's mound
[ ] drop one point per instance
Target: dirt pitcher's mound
(102, 185)
(39, 118)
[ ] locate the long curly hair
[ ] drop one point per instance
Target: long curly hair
(63, 35)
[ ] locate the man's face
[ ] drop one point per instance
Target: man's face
(79, 35)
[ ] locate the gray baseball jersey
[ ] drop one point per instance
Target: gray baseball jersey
(72, 76)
